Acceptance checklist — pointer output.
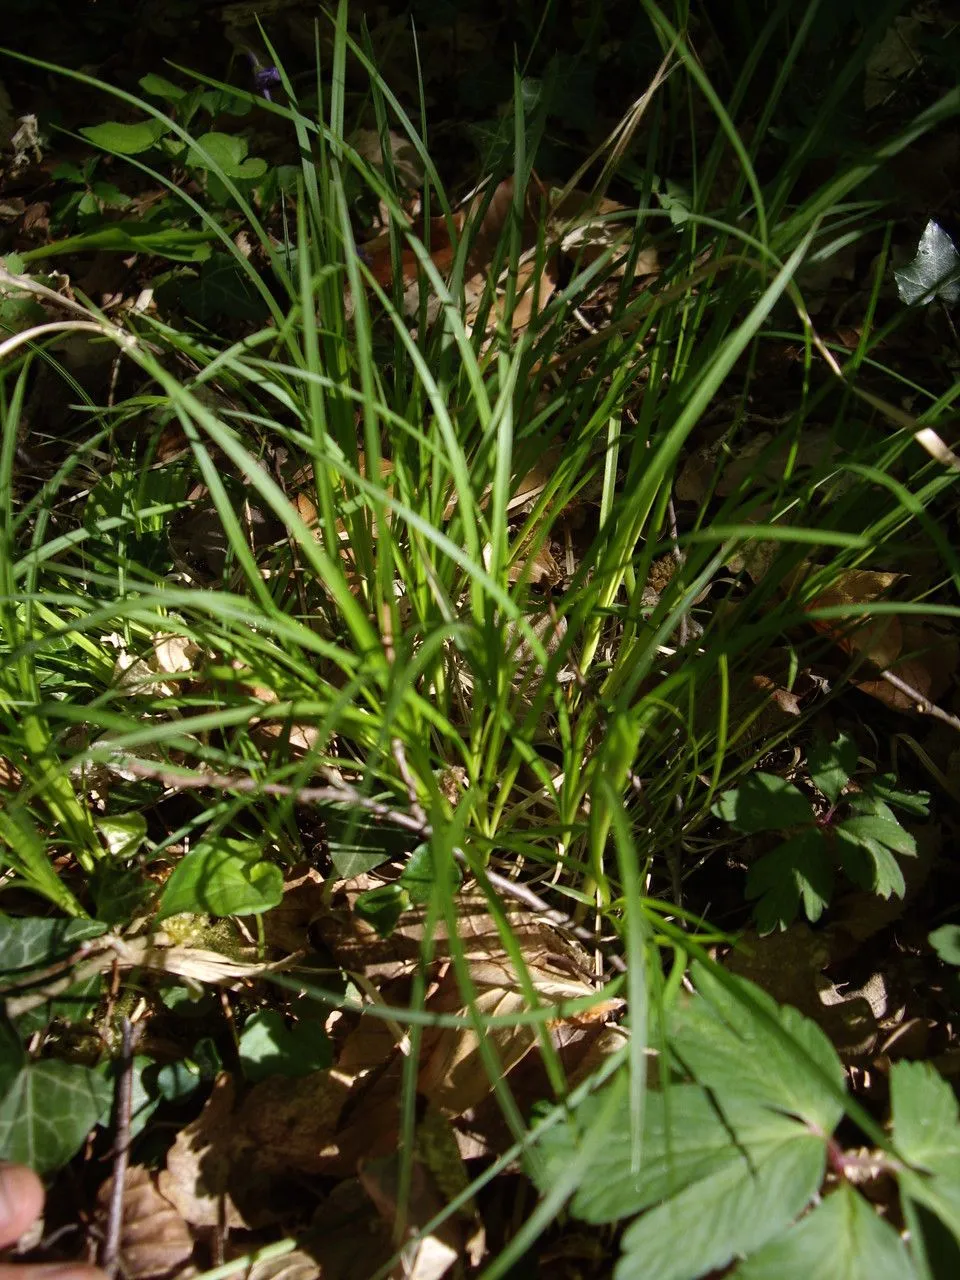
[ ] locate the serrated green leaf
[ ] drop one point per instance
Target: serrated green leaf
(882, 829)
(868, 863)
(946, 942)
(831, 765)
(843, 1238)
(926, 1133)
(222, 877)
(268, 1047)
(126, 139)
(734, 1211)
(764, 802)
(917, 802)
(47, 1112)
(926, 1117)
(685, 1141)
(733, 1038)
(798, 870)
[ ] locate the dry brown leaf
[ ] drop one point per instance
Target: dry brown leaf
(407, 164)
(432, 1257)
(587, 229)
(292, 1266)
(349, 1238)
(154, 1238)
(292, 1123)
(452, 1075)
(201, 1162)
(286, 925)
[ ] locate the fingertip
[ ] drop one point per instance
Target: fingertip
(21, 1201)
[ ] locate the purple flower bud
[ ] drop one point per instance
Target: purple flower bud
(265, 78)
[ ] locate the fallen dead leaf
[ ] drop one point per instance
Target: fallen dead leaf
(201, 1162)
(154, 1238)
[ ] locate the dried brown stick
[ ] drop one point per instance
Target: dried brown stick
(920, 700)
(110, 1253)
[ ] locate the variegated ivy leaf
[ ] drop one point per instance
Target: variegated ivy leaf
(934, 272)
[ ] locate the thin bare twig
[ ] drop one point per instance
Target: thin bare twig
(400, 756)
(343, 793)
(110, 1253)
(921, 701)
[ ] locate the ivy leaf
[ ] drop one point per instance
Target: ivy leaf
(764, 802)
(843, 1238)
(933, 273)
(831, 765)
(126, 139)
(798, 870)
(48, 1110)
(222, 877)
(926, 1132)
(268, 1047)
(28, 942)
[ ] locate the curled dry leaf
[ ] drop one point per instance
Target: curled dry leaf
(155, 1240)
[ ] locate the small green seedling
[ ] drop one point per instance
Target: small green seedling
(856, 831)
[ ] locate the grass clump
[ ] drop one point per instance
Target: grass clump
(434, 629)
